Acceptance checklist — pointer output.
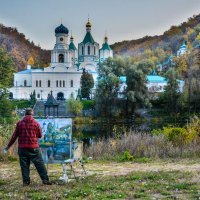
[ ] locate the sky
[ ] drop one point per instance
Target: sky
(119, 19)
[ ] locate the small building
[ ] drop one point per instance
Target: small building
(154, 83)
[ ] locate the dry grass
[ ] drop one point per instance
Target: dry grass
(140, 145)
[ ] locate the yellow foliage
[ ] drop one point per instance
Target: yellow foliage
(178, 136)
(194, 126)
(198, 37)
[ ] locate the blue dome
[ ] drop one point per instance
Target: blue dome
(61, 29)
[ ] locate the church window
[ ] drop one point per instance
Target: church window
(49, 83)
(10, 95)
(94, 50)
(60, 83)
(63, 83)
(82, 50)
(38, 95)
(56, 83)
(40, 83)
(37, 83)
(72, 83)
(61, 58)
(88, 50)
(25, 83)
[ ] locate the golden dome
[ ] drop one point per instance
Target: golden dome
(88, 24)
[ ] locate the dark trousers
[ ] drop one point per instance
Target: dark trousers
(27, 155)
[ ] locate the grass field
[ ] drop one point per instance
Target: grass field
(161, 179)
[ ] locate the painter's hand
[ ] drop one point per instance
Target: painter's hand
(5, 150)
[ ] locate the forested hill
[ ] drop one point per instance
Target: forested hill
(21, 49)
(171, 40)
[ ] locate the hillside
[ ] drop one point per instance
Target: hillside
(170, 41)
(21, 49)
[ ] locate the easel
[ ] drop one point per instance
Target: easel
(76, 157)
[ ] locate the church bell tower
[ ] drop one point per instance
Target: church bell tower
(60, 54)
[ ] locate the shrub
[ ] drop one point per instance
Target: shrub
(178, 136)
(74, 106)
(22, 103)
(126, 156)
(88, 104)
(194, 126)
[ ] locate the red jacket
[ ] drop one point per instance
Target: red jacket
(27, 131)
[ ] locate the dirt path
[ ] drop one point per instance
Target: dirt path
(110, 169)
(125, 168)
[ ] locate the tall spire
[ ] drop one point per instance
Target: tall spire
(106, 38)
(71, 38)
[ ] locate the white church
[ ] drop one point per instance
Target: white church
(63, 75)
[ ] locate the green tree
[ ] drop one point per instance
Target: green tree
(6, 106)
(87, 83)
(33, 98)
(137, 93)
(193, 81)
(106, 94)
(172, 93)
(7, 69)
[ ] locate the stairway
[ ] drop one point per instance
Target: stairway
(62, 109)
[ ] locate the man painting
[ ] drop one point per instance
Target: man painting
(28, 131)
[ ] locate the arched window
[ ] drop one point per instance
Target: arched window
(40, 83)
(37, 83)
(60, 83)
(82, 50)
(56, 83)
(25, 83)
(61, 58)
(38, 95)
(71, 83)
(63, 83)
(88, 50)
(94, 50)
(10, 95)
(49, 83)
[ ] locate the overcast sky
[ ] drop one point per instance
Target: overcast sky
(121, 19)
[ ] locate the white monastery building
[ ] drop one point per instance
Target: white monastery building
(63, 75)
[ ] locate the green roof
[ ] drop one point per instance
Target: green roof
(51, 101)
(88, 38)
(72, 46)
(105, 46)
